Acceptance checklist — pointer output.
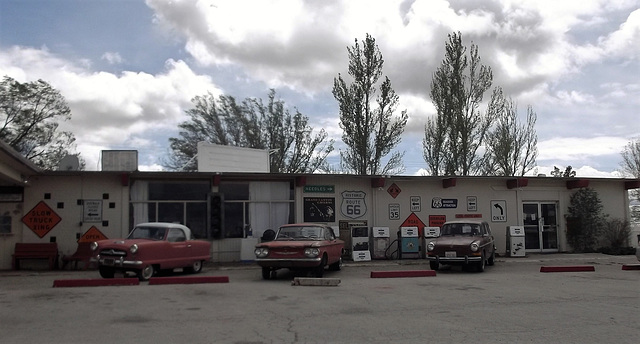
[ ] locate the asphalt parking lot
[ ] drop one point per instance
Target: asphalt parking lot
(511, 302)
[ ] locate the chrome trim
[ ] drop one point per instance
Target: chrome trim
(288, 259)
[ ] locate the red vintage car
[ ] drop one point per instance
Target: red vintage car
(150, 248)
(302, 246)
(467, 243)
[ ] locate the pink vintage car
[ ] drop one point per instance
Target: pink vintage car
(150, 248)
(303, 246)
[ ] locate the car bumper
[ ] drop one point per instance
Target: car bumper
(288, 263)
(119, 262)
(454, 260)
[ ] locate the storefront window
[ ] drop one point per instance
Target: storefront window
(5, 224)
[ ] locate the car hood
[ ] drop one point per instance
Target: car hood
(292, 243)
(457, 240)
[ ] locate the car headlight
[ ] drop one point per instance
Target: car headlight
(261, 252)
(430, 246)
(311, 252)
(133, 249)
(474, 247)
(93, 246)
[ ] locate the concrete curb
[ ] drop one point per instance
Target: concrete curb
(631, 267)
(402, 273)
(188, 280)
(95, 282)
(567, 268)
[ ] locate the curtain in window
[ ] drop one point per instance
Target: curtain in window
(269, 206)
(139, 197)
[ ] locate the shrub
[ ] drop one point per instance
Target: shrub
(615, 237)
(587, 221)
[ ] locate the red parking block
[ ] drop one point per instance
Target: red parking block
(631, 267)
(95, 282)
(567, 268)
(402, 273)
(188, 280)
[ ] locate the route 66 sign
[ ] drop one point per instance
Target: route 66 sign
(353, 205)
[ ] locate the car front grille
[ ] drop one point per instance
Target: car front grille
(113, 253)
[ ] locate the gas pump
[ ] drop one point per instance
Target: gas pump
(379, 242)
(409, 245)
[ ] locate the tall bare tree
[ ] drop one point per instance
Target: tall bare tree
(511, 147)
(253, 124)
(367, 113)
(453, 139)
(30, 114)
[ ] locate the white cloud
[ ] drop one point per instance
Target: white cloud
(112, 58)
(112, 111)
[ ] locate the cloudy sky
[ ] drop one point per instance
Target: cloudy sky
(129, 69)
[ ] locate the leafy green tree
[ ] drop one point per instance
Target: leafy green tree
(371, 130)
(511, 146)
(252, 124)
(30, 114)
(585, 221)
(453, 139)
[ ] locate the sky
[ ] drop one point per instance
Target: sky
(129, 69)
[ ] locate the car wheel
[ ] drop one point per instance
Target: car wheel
(146, 273)
(435, 266)
(337, 266)
(195, 267)
(107, 272)
(319, 270)
(492, 259)
(481, 264)
(266, 273)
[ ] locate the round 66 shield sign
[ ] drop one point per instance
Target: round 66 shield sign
(353, 205)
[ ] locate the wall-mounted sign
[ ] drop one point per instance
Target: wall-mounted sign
(468, 216)
(438, 203)
(416, 204)
(93, 234)
(394, 190)
(394, 211)
(353, 204)
(11, 193)
(437, 220)
(414, 221)
(92, 210)
(472, 203)
(319, 209)
(499, 211)
(319, 189)
(41, 219)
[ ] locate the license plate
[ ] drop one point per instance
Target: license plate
(108, 261)
(450, 254)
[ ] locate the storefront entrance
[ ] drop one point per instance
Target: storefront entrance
(540, 226)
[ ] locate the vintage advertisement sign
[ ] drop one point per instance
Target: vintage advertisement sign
(319, 209)
(353, 204)
(41, 219)
(446, 203)
(437, 220)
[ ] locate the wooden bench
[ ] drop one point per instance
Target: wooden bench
(83, 254)
(47, 250)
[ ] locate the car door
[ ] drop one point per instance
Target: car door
(334, 247)
(178, 246)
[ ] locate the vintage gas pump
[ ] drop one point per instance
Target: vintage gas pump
(379, 242)
(409, 243)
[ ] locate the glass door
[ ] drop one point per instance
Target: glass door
(540, 226)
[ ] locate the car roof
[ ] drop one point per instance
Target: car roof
(186, 229)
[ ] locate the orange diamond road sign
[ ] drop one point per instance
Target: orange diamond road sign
(93, 234)
(394, 190)
(414, 221)
(41, 219)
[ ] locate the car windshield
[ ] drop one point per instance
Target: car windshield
(451, 229)
(300, 233)
(152, 233)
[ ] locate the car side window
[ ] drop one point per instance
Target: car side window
(328, 234)
(176, 235)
